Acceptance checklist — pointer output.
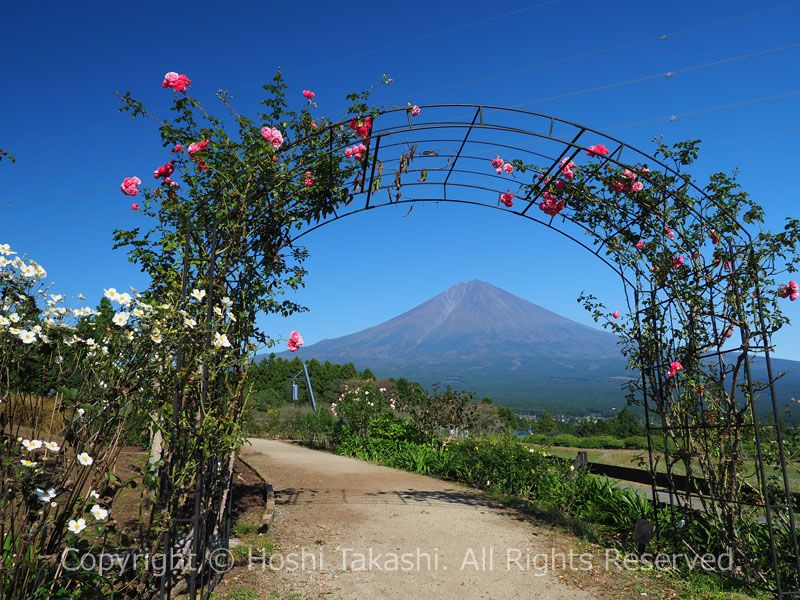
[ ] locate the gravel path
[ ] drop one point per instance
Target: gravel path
(428, 538)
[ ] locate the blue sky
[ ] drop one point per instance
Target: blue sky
(734, 85)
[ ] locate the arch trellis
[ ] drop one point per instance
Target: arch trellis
(692, 275)
(700, 289)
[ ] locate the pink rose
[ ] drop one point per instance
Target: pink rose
(508, 168)
(177, 148)
(497, 162)
(295, 341)
(630, 174)
(135, 206)
(637, 186)
(129, 184)
(169, 78)
(790, 290)
(595, 150)
(566, 168)
(640, 244)
(273, 136)
(677, 262)
(617, 187)
(550, 205)
(415, 111)
(175, 81)
(507, 199)
(615, 314)
(308, 94)
(674, 367)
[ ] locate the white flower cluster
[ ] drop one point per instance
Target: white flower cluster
(58, 324)
(31, 445)
(29, 270)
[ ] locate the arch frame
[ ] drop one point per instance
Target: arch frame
(709, 225)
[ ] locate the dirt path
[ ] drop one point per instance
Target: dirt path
(458, 544)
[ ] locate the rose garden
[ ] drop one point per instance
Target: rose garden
(164, 370)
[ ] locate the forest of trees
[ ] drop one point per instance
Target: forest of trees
(270, 381)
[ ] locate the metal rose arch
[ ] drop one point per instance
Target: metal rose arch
(703, 301)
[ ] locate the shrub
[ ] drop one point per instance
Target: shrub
(636, 442)
(601, 441)
(564, 439)
(357, 407)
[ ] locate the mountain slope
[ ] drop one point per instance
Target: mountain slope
(479, 337)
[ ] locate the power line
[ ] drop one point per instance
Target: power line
(604, 129)
(410, 41)
(116, 215)
(705, 111)
(602, 51)
(595, 89)
(508, 73)
(657, 75)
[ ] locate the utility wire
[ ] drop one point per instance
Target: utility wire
(693, 113)
(601, 88)
(668, 74)
(542, 65)
(601, 51)
(409, 41)
(703, 111)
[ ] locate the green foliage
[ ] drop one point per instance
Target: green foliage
(269, 385)
(638, 442)
(508, 417)
(448, 411)
(602, 441)
(564, 440)
(546, 425)
(358, 407)
(601, 501)
(168, 369)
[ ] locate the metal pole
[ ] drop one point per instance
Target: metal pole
(310, 389)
